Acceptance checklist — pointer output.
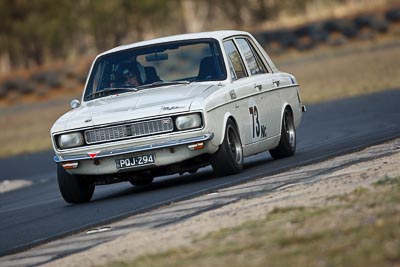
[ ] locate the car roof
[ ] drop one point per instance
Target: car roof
(218, 35)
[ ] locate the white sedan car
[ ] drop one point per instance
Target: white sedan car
(174, 105)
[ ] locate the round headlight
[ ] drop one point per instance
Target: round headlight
(70, 140)
(188, 121)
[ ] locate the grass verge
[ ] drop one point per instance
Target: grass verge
(28, 130)
(333, 73)
(361, 230)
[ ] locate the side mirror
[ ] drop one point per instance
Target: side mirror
(75, 103)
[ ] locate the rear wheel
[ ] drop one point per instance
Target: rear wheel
(229, 157)
(74, 188)
(287, 143)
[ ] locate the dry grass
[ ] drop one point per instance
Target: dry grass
(361, 230)
(322, 9)
(334, 73)
(28, 130)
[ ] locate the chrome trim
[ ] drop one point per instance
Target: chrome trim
(122, 151)
(253, 94)
(129, 130)
(56, 133)
(75, 103)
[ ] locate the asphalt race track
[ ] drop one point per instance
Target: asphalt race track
(37, 213)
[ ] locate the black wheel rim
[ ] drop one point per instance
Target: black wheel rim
(289, 129)
(235, 147)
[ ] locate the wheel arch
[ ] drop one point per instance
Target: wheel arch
(288, 107)
(228, 116)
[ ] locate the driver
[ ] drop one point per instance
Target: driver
(131, 74)
(131, 78)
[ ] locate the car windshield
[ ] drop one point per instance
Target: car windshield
(158, 65)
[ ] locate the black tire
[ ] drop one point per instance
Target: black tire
(380, 25)
(287, 143)
(363, 20)
(393, 15)
(74, 188)
(309, 36)
(3, 91)
(229, 157)
(141, 181)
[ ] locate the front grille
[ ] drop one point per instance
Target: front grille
(131, 130)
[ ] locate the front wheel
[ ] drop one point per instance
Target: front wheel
(74, 188)
(287, 143)
(229, 157)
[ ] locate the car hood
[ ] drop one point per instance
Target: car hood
(130, 106)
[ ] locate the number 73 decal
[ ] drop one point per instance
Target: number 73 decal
(259, 130)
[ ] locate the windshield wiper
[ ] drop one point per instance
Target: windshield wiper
(107, 90)
(162, 83)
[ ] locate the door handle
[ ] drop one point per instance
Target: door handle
(276, 82)
(232, 94)
(258, 86)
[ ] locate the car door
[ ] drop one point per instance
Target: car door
(264, 112)
(242, 91)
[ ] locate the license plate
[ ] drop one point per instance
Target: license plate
(135, 161)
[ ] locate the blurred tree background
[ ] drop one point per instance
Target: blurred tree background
(47, 47)
(34, 32)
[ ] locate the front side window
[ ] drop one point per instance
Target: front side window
(251, 57)
(156, 65)
(235, 62)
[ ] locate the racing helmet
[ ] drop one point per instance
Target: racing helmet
(132, 68)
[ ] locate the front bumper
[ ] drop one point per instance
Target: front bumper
(130, 150)
(165, 153)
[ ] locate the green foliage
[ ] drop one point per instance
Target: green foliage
(388, 181)
(32, 31)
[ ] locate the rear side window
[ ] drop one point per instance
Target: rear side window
(252, 59)
(235, 62)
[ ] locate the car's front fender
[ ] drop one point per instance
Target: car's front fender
(217, 123)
